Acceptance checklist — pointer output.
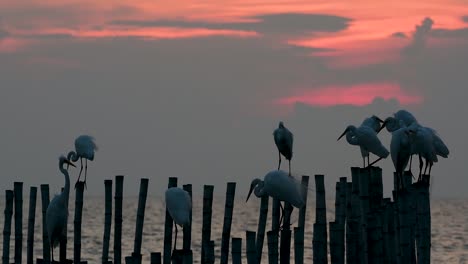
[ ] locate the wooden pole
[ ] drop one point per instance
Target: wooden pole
(31, 222)
(375, 188)
(388, 233)
(299, 234)
(155, 257)
(351, 224)
(272, 237)
(334, 248)
(251, 249)
(210, 255)
(107, 220)
(228, 209)
(45, 237)
(262, 219)
(118, 200)
(237, 250)
(424, 221)
(285, 239)
(79, 187)
(275, 215)
(396, 224)
(319, 240)
(403, 215)
(374, 236)
(168, 228)
(140, 220)
(18, 191)
(206, 222)
(364, 179)
(7, 226)
(187, 243)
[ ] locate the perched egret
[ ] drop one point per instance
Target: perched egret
(405, 116)
(279, 185)
(57, 211)
(179, 205)
(85, 147)
(373, 122)
(284, 142)
(401, 150)
(366, 138)
(423, 145)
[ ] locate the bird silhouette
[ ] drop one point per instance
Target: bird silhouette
(366, 138)
(401, 150)
(57, 211)
(85, 147)
(284, 142)
(279, 185)
(179, 206)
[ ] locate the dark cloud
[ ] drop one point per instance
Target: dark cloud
(450, 33)
(289, 23)
(399, 35)
(465, 19)
(419, 37)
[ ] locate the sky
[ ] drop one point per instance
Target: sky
(194, 90)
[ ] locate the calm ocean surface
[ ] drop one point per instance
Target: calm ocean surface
(449, 227)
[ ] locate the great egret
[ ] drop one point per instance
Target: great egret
(401, 150)
(373, 122)
(179, 205)
(279, 185)
(284, 142)
(85, 147)
(423, 145)
(57, 211)
(366, 138)
(405, 116)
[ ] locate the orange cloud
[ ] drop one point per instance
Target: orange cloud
(358, 95)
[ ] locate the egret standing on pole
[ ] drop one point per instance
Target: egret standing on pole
(179, 205)
(57, 211)
(284, 142)
(85, 147)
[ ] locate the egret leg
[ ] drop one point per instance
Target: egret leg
(430, 168)
(289, 167)
(175, 239)
(85, 171)
(363, 162)
(410, 160)
(52, 253)
(377, 160)
(425, 167)
(279, 160)
(81, 169)
(420, 167)
(368, 160)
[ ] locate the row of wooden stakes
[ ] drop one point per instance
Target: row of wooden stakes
(367, 227)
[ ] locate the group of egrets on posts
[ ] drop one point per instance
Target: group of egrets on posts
(408, 138)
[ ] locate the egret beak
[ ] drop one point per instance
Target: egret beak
(383, 125)
(69, 163)
(344, 133)
(250, 192)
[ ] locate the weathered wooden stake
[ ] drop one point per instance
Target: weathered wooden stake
(319, 240)
(7, 226)
(228, 209)
(351, 225)
(299, 234)
(107, 220)
(236, 250)
(64, 240)
(275, 215)
(168, 228)
(364, 179)
(374, 238)
(251, 249)
(118, 200)
(45, 237)
(285, 239)
(77, 222)
(187, 243)
(31, 222)
(334, 254)
(210, 252)
(18, 191)
(207, 213)
(272, 239)
(424, 221)
(155, 257)
(140, 220)
(262, 226)
(405, 236)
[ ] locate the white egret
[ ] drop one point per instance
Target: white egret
(57, 211)
(401, 150)
(284, 142)
(423, 145)
(85, 147)
(405, 116)
(279, 185)
(179, 205)
(373, 122)
(366, 138)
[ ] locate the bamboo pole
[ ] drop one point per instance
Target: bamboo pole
(334, 255)
(275, 215)
(236, 250)
(261, 226)
(118, 200)
(140, 220)
(31, 221)
(405, 236)
(7, 226)
(272, 238)
(364, 179)
(319, 240)
(396, 224)
(356, 214)
(206, 222)
(375, 188)
(155, 258)
(299, 233)
(251, 250)
(351, 226)
(177, 256)
(168, 228)
(187, 243)
(374, 236)
(18, 192)
(424, 221)
(45, 237)
(79, 187)
(210, 252)
(388, 233)
(228, 209)
(64, 239)
(285, 239)
(107, 220)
